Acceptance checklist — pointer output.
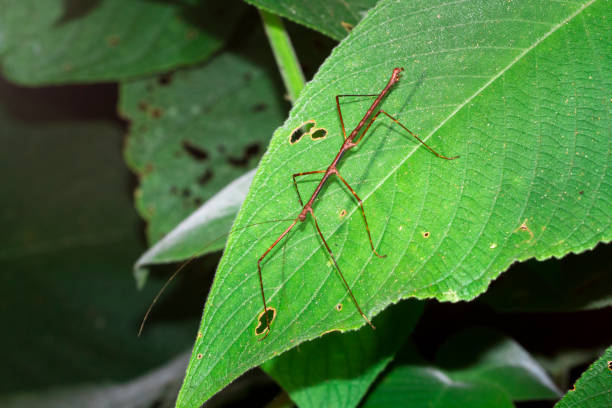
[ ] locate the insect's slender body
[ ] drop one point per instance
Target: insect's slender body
(349, 143)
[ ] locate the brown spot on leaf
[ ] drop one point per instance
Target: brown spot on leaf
(260, 107)
(113, 40)
(196, 152)
(156, 113)
(524, 227)
(250, 151)
(165, 79)
(206, 177)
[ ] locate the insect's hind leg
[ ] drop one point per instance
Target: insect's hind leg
(346, 285)
(365, 220)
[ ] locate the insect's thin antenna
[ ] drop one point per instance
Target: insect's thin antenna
(159, 293)
(191, 259)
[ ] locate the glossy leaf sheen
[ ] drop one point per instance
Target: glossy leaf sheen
(59, 41)
(520, 90)
(477, 368)
(204, 231)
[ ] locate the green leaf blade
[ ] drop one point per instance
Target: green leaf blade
(494, 92)
(594, 388)
(59, 41)
(337, 369)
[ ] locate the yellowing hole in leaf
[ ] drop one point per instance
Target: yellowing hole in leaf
(342, 213)
(610, 365)
(262, 323)
(199, 356)
(199, 335)
(347, 26)
(524, 227)
(330, 331)
(318, 133)
(301, 130)
(339, 307)
(425, 234)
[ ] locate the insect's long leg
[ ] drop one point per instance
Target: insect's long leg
(303, 174)
(340, 111)
(407, 130)
(360, 203)
(263, 296)
(340, 272)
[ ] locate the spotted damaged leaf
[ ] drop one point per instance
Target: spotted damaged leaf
(185, 141)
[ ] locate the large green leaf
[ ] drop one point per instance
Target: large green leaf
(477, 368)
(337, 369)
(487, 357)
(520, 90)
(192, 136)
(330, 17)
(594, 388)
(59, 41)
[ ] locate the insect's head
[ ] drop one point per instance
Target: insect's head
(396, 74)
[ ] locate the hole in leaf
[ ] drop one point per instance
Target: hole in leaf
(347, 26)
(206, 177)
(318, 133)
(165, 79)
(194, 151)
(339, 307)
(301, 130)
(262, 326)
(425, 234)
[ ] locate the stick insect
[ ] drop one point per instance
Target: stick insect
(349, 143)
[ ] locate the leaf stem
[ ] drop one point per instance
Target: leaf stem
(287, 62)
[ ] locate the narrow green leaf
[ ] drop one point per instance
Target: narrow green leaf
(337, 369)
(422, 386)
(60, 41)
(202, 232)
(334, 18)
(283, 51)
(594, 388)
(190, 137)
(519, 90)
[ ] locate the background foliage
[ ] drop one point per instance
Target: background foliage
(192, 96)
